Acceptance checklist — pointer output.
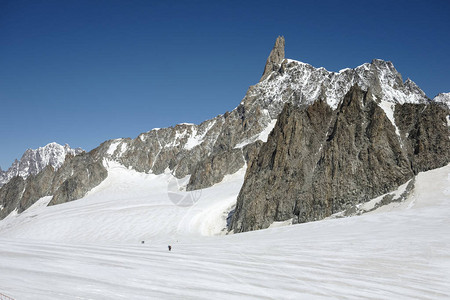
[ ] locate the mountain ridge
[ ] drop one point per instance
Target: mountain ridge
(33, 161)
(224, 144)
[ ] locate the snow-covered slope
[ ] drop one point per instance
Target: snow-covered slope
(443, 98)
(35, 160)
(129, 207)
(91, 248)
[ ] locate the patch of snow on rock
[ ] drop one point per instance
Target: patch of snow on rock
(112, 148)
(262, 136)
(389, 109)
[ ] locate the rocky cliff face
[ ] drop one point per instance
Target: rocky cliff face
(78, 175)
(221, 145)
(318, 161)
(275, 58)
(34, 161)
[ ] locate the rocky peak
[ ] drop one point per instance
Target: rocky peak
(383, 64)
(34, 161)
(412, 88)
(222, 145)
(301, 83)
(275, 58)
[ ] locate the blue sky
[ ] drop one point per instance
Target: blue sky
(82, 72)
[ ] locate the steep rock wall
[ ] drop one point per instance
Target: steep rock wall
(317, 162)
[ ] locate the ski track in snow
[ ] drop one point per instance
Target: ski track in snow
(91, 248)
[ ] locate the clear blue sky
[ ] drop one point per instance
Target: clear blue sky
(82, 72)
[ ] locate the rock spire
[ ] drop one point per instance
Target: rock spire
(275, 58)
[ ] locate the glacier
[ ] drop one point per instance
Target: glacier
(92, 248)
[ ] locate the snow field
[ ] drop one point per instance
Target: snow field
(91, 248)
(127, 207)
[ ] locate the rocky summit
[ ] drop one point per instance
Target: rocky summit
(325, 125)
(33, 161)
(275, 58)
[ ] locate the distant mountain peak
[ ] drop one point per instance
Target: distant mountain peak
(35, 160)
(443, 98)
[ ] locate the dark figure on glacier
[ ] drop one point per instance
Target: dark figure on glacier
(170, 248)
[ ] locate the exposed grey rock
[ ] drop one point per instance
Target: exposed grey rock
(34, 161)
(352, 211)
(85, 174)
(359, 209)
(250, 151)
(37, 186)
(424, 134)
(223, 144)
(71, 181)
(10, 195)
(275, 58)
(412, 88)
(390, 198)
(317, 161)
(3, 177)
(22, 193)
(213, 168)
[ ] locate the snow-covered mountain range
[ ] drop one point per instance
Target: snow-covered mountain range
(112, 244)
(223, 145)
(34, 161)
(304, 145)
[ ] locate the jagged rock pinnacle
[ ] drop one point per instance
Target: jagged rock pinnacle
(275, 58)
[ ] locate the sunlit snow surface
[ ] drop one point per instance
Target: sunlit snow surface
(91, 248)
